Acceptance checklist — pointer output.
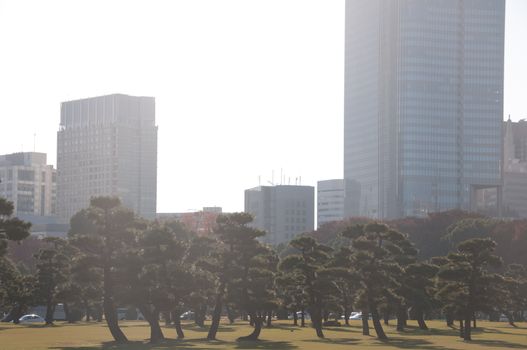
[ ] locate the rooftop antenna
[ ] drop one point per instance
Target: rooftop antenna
(259, 180)
(300, 181)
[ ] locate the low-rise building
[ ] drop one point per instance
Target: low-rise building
(283, 211)
(337, 200)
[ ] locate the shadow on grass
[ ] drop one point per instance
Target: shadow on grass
(193, 344)
(498, 344)
(196, 328)
(341, 329)
(265, 344)
(410, 344)
(340, 341)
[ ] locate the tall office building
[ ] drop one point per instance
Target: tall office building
(423, 103)
(107, 146)
(29, 183)
(283, 211)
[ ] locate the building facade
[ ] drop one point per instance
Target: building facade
(515, 169)
(107, 146)
(283, 211)
(28, 182)
(423, 103)
(336, 200)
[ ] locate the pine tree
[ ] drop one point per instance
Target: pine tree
(467, 282)
(104, 232)
(314, 276)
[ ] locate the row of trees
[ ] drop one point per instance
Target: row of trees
(112, 258)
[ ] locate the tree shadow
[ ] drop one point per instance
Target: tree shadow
(498, 344)
(265, 344)
(402, 343)
(340, 329)
(195, 328)
(194, 344)
(341, 341)
(416, 331)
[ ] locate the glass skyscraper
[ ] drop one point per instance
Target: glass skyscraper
(423, 103)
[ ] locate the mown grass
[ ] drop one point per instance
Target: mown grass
(282, 336)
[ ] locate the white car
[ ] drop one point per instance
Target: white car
(31, 318)
(356, 316)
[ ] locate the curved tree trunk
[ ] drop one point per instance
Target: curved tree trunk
(216, 315)
(365, 324)
(461, 329)
(110, 314)
(177, 324)
(347, 316)
(419, 315)
(257, 321)
(303, 318)
(295, 318)
(109, 309)
(175, 316)
(316, 320)
(377, 323)
(152, 317)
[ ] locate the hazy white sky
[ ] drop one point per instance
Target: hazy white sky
(242, 87)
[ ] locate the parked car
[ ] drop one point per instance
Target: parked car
(188, 315)
(31, 318)
(356, 316)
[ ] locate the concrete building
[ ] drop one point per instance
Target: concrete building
(107, 146)
(283, 211)
(336, 200)
(29, 182)
(423, 103)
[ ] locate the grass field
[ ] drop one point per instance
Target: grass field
(282, 335)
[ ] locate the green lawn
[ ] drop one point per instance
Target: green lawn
(282, 335)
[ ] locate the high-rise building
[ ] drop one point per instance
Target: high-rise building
(107, 146)
(423, 103)
(283, 211)
(336, 200)
(28, 182)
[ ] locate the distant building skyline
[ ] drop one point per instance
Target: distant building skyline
(285, 80)
(283, 211)
(107, 146)
(423, 103)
